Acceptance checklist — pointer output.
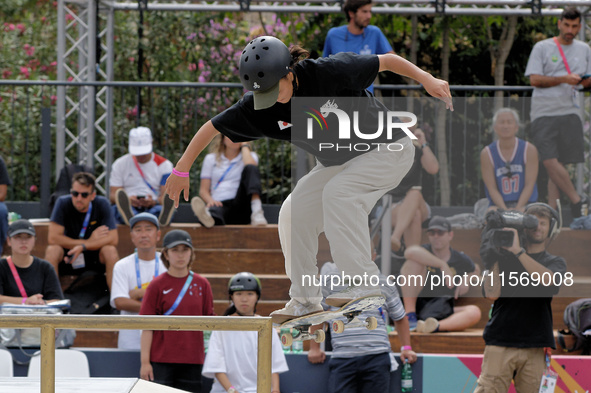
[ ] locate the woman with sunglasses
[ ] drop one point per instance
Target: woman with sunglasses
(337, 195)
(509, 165)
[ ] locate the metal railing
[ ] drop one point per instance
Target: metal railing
(262, 325)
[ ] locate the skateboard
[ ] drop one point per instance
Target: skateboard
(350, 311)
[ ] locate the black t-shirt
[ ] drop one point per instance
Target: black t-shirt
(40, 277)
(4, 178)
(520, 321)
(340, 75)
(413, 178)
(65, 214)
(458, 262)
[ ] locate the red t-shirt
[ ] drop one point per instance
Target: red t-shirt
(177, 346)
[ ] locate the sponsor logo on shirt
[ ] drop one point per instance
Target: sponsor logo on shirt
(283, 125)
(166, 291)
(554, 59)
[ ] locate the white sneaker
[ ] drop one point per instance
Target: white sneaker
(429, 325)
(200, 210)
(258, 218)
(351, 293)
(294, 309)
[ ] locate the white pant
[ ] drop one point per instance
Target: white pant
(337, 200)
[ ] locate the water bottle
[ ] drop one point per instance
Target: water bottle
(297, 346)
(206, 335)
(406, 378)
(286, 348)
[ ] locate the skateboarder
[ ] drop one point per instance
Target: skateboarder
(338, 194)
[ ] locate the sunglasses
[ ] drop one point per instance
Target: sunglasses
(436, 232)
(75, 194)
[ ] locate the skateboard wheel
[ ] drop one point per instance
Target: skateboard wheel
(319, 336)
(371, 323)
(338, 326)
(287, 339)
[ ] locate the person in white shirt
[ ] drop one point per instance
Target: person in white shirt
(231, 356)
(137, 180)
(133, 273)
(230, 186)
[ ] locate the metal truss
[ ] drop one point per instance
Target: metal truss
(85, 114)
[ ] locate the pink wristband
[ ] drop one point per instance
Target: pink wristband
(406, 348)
(180, 174)
(24, 300)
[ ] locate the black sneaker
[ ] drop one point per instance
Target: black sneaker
(580, 208)
(167, 211)
(123, 205)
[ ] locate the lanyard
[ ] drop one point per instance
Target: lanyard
(137, 269)
(224, 175)
(85, 223)
(562, 54)
(137, 165)
(17, 278)
(181, 294)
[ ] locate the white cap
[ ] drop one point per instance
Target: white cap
(140, 141)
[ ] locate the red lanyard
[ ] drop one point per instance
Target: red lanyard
(562, 54)
(17, 278)
(137, 165)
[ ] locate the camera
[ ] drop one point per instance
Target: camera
(140, 196)
(512, 219)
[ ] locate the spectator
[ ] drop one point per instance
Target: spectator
(133, 273)
(24, 278)
(175, 358)
(409, 209)
(357, 35)
(82, 231)
(509, 165)
(230, 186)
(555, 69)
(137, 180)
(361, 359)
(231, 358)
(520, 326)
(434, 308)
(4, 183)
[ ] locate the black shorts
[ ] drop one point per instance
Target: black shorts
(91, 262)
(559, 137)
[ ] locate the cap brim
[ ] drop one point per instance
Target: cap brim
(266, 99)
(19, 231)
(174, 244)
(140, 150)
(439, 228)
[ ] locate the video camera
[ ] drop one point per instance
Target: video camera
(498, 219)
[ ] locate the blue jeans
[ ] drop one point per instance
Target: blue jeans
(3, 225)
(155, 210)
(370, 373)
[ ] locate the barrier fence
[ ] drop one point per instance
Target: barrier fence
(262, 325)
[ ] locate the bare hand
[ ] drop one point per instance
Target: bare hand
(420, 136)
(99, 233)
(408, 355)
(175, 185)
(35, 299)
(439, 88)
(516, 246)
(572, 79)
(316, 356)
(146, 372)
(137, 293)
(448, 272)
(214, 203)
(73, 253)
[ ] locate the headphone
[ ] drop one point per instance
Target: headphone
(555, 220)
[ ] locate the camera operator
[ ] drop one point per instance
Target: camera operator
(521, 323)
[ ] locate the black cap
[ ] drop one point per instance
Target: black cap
(21, 226)
(440, 223)
(176, 237)
(144, 217)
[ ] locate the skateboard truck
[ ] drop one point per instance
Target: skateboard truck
(303, 333)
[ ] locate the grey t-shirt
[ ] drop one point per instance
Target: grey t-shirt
(545, 59)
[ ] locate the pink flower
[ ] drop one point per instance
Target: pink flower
(43, 19)
(70, 78)
(69, 17)
(6, 74)
(53, 100)
(192, 67)
(53, 63)
(25, 72)
(33, 188)
(29, 50)
(21, 28)
(9, 27)
(131, 59)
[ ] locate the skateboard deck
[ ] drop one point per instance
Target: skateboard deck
(300, 326)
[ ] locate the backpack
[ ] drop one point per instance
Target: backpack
(89, 294)
(577, 318)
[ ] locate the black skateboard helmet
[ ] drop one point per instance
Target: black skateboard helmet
(244, 281)
(264, 61)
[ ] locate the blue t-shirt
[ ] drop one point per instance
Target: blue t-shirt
(510, 176)
(371, 41)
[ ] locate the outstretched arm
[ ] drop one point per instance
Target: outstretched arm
(175, 185)
(436, 87)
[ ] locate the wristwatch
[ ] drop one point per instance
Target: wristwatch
(231, 390)
(520, 252)
(246, 145)
(424, 145)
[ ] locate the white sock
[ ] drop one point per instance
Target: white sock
(256, 205)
